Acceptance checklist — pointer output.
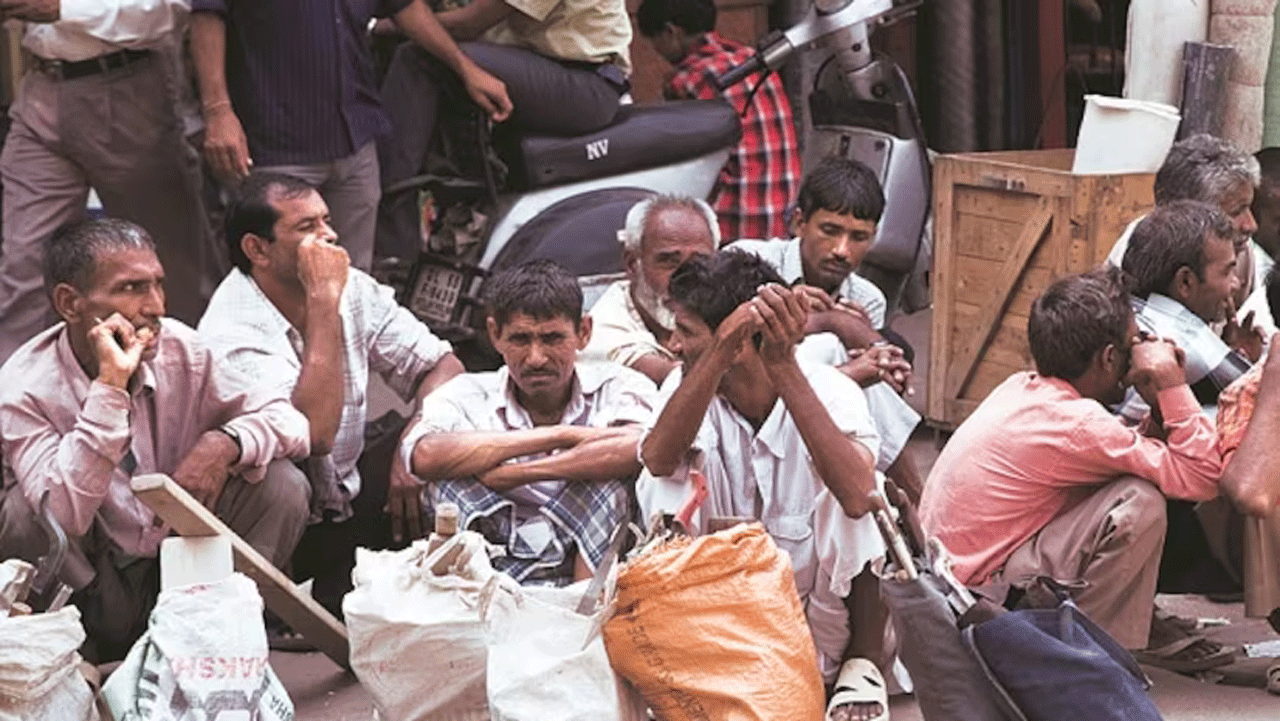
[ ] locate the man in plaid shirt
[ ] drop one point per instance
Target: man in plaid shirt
(760, 178)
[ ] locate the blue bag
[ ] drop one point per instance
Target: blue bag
(1055, 664)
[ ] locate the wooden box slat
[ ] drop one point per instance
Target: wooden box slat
(1007, 224)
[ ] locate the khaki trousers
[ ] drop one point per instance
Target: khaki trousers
(1111, 541)
(115, 593)
(118, 132)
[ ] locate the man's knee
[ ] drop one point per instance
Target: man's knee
(285, 489)
(1138, 507)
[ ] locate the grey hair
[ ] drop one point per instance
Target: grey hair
(633, 230)
(1204, 168)
(71, 254)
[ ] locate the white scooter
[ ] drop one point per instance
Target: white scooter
(565, 198)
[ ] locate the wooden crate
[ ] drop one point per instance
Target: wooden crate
(1006, 225)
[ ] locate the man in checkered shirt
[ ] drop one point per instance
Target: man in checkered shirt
(540, 454)
(760, 178)
(293, 314)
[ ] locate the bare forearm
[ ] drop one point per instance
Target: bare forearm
(851, 330)
(845, 466)
(606, 459)
(438, 456)
(209, 55)
(654, 366)
(1251, 478)
(318, 394)
(424, 27)
(678, 423)
(472, 20)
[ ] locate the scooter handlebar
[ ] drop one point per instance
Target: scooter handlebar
(738, 73)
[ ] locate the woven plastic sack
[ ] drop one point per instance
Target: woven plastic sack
(712, 628)
(39, 668)
(547, 661)
(204, 656)
(417, 639)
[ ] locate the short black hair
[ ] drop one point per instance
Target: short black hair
(71, 253)
(694, 16)
(541, 289)
(712, 287)
(1172, 235)
(840, 185)
(250, 210)
(1075, 318)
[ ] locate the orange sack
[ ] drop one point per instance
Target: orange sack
(711, 629)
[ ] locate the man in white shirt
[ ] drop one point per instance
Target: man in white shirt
(837, 210)
(294, 314)
(99, 108)
(631, 323)
(539, 454)
(1214, 171)
(780, 440)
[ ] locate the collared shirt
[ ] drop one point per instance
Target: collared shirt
(1035, 447)
(588, 31)
(1235, 408)
(784, 256)
(761, 177)
(245, 330)
(1211, 365)
(89, 28)
(1252, 264)
(301, 76)
(769, 475)
(618, 333)
(82, 440)
(538, 523)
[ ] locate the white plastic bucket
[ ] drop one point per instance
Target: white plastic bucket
(1118, 135)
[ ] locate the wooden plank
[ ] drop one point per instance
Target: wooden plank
(965, 358)
(957, 409)
(942, 282)
(185, 515)
(1013, 178)
(997, 205)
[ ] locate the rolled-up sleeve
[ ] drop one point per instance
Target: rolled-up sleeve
(75, 468)
(404, 349)
(268, 425)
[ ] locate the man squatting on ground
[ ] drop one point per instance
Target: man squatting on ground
(539, 454)
(117, 390)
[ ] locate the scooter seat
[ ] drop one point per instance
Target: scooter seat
(642, 136)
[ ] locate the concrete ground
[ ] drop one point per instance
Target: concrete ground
(322, 691)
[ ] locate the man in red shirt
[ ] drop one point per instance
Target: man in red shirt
(762, 176)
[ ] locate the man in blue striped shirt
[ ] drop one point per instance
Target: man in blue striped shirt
(288, 85)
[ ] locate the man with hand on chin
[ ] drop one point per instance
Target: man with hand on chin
(117, 390)
(295, 314)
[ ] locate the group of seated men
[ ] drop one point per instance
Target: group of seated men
(542, 456)
(764, 366)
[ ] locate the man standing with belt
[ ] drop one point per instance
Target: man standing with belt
(99, 109)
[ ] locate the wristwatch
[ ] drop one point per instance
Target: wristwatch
(235, 438)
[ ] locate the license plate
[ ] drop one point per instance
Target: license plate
(436, 294)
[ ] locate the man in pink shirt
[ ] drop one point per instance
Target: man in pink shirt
(1043, 480)
(118, 390)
